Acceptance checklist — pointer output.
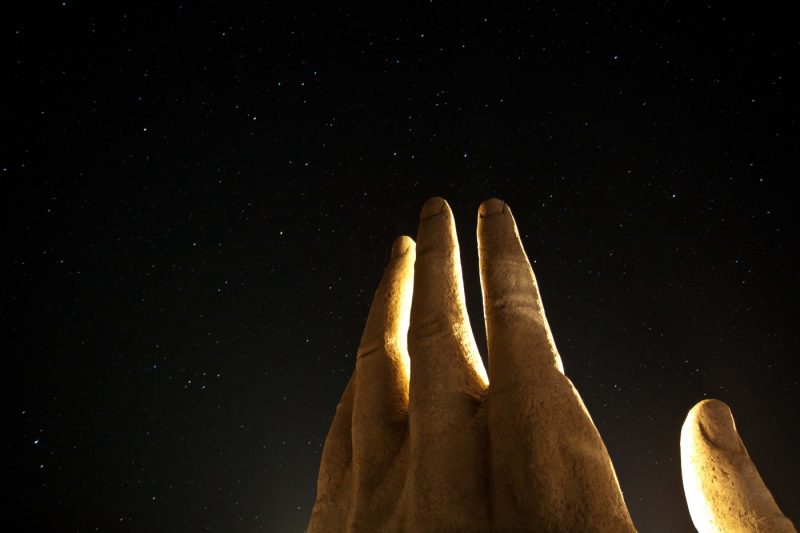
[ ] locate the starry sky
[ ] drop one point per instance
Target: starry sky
(199, 203)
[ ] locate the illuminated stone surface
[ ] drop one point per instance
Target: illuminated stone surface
(447, 446)
(723, 488)
(425, 439)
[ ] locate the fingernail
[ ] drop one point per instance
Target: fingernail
(401, 245)
(492, 206)
(716, 423)
(434, 206)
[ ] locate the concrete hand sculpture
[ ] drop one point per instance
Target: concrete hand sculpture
(424, 439)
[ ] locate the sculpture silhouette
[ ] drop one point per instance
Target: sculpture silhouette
(425, 440)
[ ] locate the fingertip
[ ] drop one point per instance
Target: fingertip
(492, 206)
(711, 422)
(723, 488)
(437, 231)
(432, 207)
(402, 245)
(715, 422)
(712, 407)
(496, 224)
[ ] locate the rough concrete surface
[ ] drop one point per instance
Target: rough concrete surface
(723, 488)
(425, 439)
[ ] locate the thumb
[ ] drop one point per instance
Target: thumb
(723, 488)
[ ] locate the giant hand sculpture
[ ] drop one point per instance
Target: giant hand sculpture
(424, 440)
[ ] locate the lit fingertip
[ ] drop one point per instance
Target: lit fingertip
(401, 246)
(492, 206)
(716, 423)
(434, 206)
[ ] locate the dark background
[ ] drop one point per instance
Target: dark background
(199, 204)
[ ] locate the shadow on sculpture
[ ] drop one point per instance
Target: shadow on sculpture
(427, 439)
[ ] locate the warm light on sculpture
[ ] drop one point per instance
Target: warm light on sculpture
(723, 488)
(425, 439)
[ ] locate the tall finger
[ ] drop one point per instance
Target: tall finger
(723, 488)
(380, 411)
(549, 465)
(447, 483)
(516, 325)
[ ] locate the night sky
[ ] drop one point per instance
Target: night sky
(199, 204)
